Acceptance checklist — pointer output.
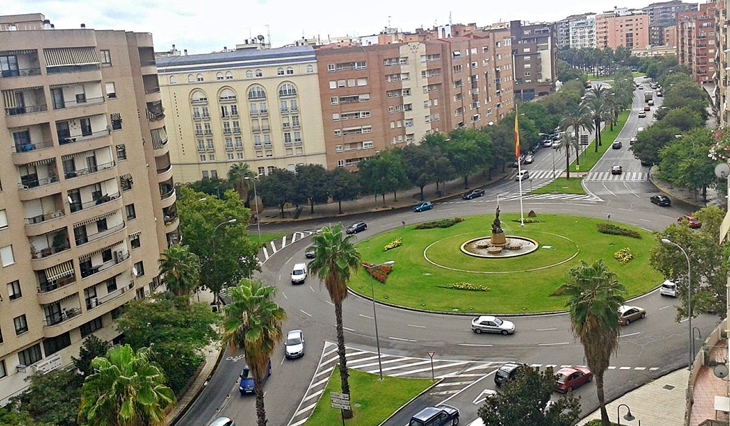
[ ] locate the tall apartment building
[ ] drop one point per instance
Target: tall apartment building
(583, 32)
(696, 42)
(87, 201)
(670, 36)
(622, 27)
(257, 106)
(378, 96)
(664, 14)
(534, 55)
(721, 63)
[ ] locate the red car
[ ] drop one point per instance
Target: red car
(570, 378)
(692, 221)
(647, 108)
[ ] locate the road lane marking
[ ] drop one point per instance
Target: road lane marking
(305, 312)
(365, 316)
(333, 305)
(624, 368)
(553, 344)
(629, 335)
(284, 294)
(546, 329)
(401, 339)
(348, 329)
(417, 326)
(476, 345)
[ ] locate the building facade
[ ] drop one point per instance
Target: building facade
(583, 32)
(87, 201)
(664, 14)
(256, 106)
(622, 27)
(696, 42)
(721, 63)
(534, 55)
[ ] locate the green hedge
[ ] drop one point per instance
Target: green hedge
(443, 223)
(611, 229)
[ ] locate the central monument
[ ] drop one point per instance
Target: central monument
(498, 239)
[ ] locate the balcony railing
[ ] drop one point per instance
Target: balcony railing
(93, 302)
(77, 102)
(67, 139)
(28, 183)
(49, 251)
(103, 199)
(21, 72)
(159, 144)
(55, 285)
(155, 115)
(87, 272)
(26, 147)
(164, 169)
(88, 170)
(26, 110)
(66, 315)
(43, 217)
(94, 237)
(165, 194)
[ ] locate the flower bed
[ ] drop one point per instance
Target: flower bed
(393, 244)
(379, 272)
(443, 223)
(624, 256)
(465, 286)
(611, 229)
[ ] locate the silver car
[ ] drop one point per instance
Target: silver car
(294, 344)
(492, 324)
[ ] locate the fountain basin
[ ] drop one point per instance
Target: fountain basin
(514, 247)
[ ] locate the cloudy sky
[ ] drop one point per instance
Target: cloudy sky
(202, 26)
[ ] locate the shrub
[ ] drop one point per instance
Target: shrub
(443, 223)
(527, 220)
(393, 244)
(379, 272)
(611, 229)
(465, 286)
(624, 256)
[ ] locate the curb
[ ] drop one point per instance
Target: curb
(411, 400)
(664, 191)
(173, 421)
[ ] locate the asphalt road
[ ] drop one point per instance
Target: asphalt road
(648, 349)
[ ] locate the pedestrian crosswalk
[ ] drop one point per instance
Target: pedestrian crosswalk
(592, 176)
(275, 245)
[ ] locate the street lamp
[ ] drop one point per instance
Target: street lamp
(689, 296)
(375, 317)
(212, 239)
(627, 417)
(256, 200)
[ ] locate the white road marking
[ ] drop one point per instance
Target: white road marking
(401, 339)
(365, 316)
(348, 328)
(629, 335)
(476, 345)
(305, 312)
(546, 329)
(417, 326)
(553, 344)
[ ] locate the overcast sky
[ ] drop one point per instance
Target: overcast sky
(203, 26)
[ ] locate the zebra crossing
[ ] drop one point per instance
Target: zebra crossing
(591, 176)
(512, 196)
(275, 245)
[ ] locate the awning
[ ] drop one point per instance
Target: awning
(93, 219)
(135, 234)
(41, 162)
(17, 52)
(75, 154)
(61, 270)
(70, 56)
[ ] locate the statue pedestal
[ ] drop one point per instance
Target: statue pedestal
(498, 239)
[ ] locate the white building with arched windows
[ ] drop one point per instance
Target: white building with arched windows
(260, 107)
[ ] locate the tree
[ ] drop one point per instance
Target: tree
(180, 270)
(419, 162)
(12, 415)
(598, 108)
(594, 296)
(311, 184)
(52, 397)
(237, 175)
(465, 151)
(278, 188)
(684, 162)
(253, 324)
(90, 349)
(382, 173)
(210, 186)
(335, 258)
(342, 185)
(125, 390)
(576, 117)
(524, 402)
(651, 141)
(684, 119)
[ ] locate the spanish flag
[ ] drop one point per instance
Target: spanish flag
(517, 139)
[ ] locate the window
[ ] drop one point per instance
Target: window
(138, 269)
(106, 57)
(256, 92)
(116, 119)
(126, 182)
(260, 171)
(362, 81)
(6, 256)
(199, 78)
(3, 219)
(271, 169)
(173, 79)
(249, 74)
(91, 326)
(54, 344)
(333, 84)
(289, 71)
(259, 73)
(111, 286)
(129, 209)
(330, 67)
(191, 78)
(3, 371)
(229, 75)
(310, 69)
(287, 90)
(280, 71)
(121, 152)
(14, 291)
(219, 76)
(334, 100)
(31, 355)
(21, 325)
(111, 91)
(205, 172)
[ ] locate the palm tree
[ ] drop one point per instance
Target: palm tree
(237, 175)
(253, 323)
(596, 103)
(335, 257)
(125, 390)
(576, 117)
(180, 269)
(594, 296)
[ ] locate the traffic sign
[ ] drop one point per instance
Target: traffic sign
(341, 406)
(342, 396)
(340, 400)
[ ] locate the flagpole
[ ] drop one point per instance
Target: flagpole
(519, 164)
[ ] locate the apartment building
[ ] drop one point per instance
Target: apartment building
(670, 36)
(721, 63)
(87, 201)
(534, 55)
(622, 27)
(664, 14)
(258, 106)
(583, 32)
(696, 42)
(395, 88)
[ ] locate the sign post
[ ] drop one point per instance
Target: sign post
(341, 401)
(431, 354)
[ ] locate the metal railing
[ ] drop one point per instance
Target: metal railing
(94, 237)
(34, 183)
(85, 273)
(55, 285)
(165, 169)
(155, 115)
(26, 147)
(21, 72)
(66, 315)
(88, 170)
(75, 207)
(25, 110)
(75, 102)
(43, 217)
(114, 294)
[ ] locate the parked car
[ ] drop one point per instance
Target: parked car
(642, 114)
(507, 373)
(529, 159)
(423, 206)
(547, 143)
(632, 140)
(440, 415)
(222, 421)
(639, 129)
(522, 175)
(661, 200)
(356, 227)
(474, 193)
(692, 221)
(617, 145)
(668, 288)
(616, 170)
(299, 273)
(492, 324)
(246, 384)
(627, 314)
(294, 344)
(570, 378)
(659, 93)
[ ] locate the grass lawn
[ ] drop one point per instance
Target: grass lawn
(266, 238)
(430, 259)
(372, 400)
(562, 185)
(589, 157)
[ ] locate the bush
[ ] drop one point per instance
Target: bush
(393, 244)
(527, 220)
(624, 256)
(611, 229)
(379, 272)
(465, 286)
(443, 223)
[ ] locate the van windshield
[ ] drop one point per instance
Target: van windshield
(298, 272)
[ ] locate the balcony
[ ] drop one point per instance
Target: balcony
(61, 317)
(20, 72)
(30, 109)
(88, 170)
(33, 181)
(164, 173)
(166, 192)
(65, 139)
(94, 237)
(27, 147)
(76, 207)
(94, 302)
(155, 115)
(118, 258)
(53, 291)
(80, 100)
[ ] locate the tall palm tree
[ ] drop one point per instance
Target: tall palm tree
(594, 296)
(596, 103)
(253, 323)
(125, 390)
(576, 117)
(335, 258)
(180, 269)
(237, 175)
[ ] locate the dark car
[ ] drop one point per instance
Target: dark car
(310, 252)
(356, 227)
(616, 170)
(507, 373)
(617, 145)
(246, 384)
(440, 415)
(423, 206)
(474, 193)
(570, 378)
(661, 200)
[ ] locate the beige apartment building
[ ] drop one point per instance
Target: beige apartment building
(696, 42)
(622, 27)
(87, 201)
(256, 106)
(721, 64)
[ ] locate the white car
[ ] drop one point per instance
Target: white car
(529, 159)
(668, 288)
(294, 344)
(492, 324)
(299, 273)
(522, 175)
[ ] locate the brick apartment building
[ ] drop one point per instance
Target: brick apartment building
(696, 42)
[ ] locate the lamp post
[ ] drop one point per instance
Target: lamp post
(375, 317)
(628, 415)
(212, 239)
(689, 297)
(256, 200)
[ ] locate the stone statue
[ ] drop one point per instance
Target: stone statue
(497, 224)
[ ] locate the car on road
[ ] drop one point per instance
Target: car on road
(529, 159)
(628, 314)
(692, 221)
(522, 175)
(547, 143)
(632, 140)
(299, 273)
(294, 344)
(661, 200)
(492, 324)
(474, 193)
(570, 378)
(440, 415)
(668, 288)
(617, 145)
(642, 114)
(507, 372)
(310, 252)
(356, 227)
(616, 170)
(651, 102)
(222, 421)
(659, 93)
(423, 206)
(246, 384)
(647, 108)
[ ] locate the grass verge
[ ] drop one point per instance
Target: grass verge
(589, 157)
(267, 238)
(371, 399)
(562, 185)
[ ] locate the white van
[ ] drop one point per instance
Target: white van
(668, 288)
(299, 273)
